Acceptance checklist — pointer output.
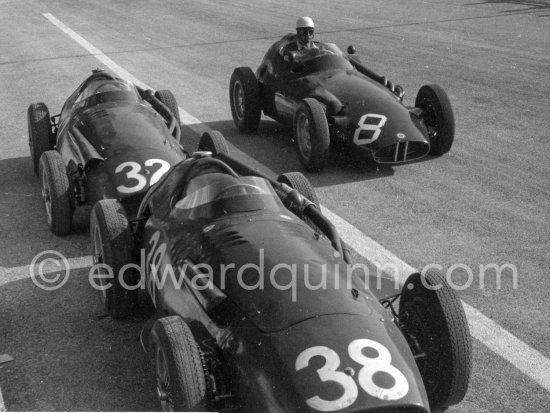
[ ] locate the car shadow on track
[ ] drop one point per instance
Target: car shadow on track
(23, 223)
(67, 355)
(272, 146)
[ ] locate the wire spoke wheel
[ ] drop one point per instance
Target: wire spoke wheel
(433, 321)
(46, 196)
(55, 190)
(438, 117)
(181, 376)
(303, 136)
(238, 98)
(244, 98)
(97, 258)
(164, 392)
(311, 134)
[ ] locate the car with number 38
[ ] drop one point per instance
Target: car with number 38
(112, 139)
(333, 101)
(255, 308)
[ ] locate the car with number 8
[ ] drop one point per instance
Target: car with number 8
(112, 139)
(332, 100)
(256, 307)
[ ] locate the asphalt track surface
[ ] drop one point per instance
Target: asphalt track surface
(486, 202)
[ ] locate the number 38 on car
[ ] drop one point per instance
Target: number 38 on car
(256, 309)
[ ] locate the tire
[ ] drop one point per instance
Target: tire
(434, 323)
(298, 181)
(168, 99)
(214, 142)
(311, 134)
(111, 240)
(179, 366)
(40, 132)
(438, 114)
(56, 192)
(244, 97)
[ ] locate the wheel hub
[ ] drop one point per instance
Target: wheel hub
(304, 137)
(46, 196)
(238, 97)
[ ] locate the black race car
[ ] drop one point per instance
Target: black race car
(112, 139)
(332, 99)
(308, 337)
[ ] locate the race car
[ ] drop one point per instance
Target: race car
(112, 139)
(332, 100)
(255, 309)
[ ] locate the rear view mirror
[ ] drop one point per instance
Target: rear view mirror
(351, 49)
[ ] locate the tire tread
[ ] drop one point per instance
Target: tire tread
(113, 224)
(40, 133)
(52, 164)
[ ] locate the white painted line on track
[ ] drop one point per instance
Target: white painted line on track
(2, 405)
(526, 359)
(196, 125)
(11, 274)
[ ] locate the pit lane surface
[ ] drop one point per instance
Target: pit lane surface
(485, 202)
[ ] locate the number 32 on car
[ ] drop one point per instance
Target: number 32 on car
(136, 177)
(365, 378)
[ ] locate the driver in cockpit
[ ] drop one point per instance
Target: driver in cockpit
(305, 32)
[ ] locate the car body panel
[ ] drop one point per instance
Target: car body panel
(263, 329)
(114, 141)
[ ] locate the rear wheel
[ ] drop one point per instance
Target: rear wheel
(438, 116)
(111, 239)
(179, 368)
(311, 134)
(40, 132)
(434, 323)
(214, 142)
(244, 96)
(298, 181)
(168, 99)
(55, 192)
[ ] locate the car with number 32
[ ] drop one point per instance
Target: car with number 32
(112, 139)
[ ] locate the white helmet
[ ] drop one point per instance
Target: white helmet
(303, 22)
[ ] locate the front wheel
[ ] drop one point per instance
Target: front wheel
(244, 97)
(55, 192)
(40, 132)
(311, 134)
(213, 141)
(111, 239)
(433, 321)
(438, 116)
(179, 369)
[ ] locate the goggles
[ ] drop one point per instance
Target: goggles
(306, 31)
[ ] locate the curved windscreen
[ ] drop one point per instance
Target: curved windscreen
(321, 60)
(118, 88)
(228, 193)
